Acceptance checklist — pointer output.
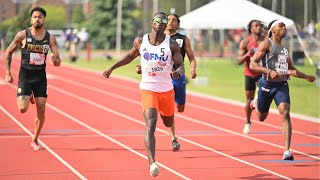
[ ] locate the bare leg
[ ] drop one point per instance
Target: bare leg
(171, 131)
(284, 111)
(150, 115)
(168, 121)
(39, 121)
(248, 110)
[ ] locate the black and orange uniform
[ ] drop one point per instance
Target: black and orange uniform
(32, 74)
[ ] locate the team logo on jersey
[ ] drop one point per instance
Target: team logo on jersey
(29, 39)
(153, 56)
(19, 90)
(285, 52)
(45, 48)
(144, 49)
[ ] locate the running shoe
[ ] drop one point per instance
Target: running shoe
(246, 128)
(32, 99)
(175, 145)
(35, 146)
(288, 156)
(154, 169)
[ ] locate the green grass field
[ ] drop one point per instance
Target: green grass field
(225, 79)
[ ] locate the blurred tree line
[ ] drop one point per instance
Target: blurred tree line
(136, 15)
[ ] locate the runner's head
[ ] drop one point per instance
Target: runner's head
(38, 15)
(159, 22)
(173, 22)
(277, 28)
(255, 27)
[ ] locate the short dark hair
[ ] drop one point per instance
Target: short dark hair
(177, 17)
(40, 9)
(250, 25)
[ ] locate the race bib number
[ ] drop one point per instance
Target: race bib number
(154, 66)
(282, 71)
(282, 65)
(37, 58)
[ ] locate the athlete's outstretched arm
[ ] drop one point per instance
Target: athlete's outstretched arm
(177, 59)
(190, 54)
(128, 58)
(293, 71)
(16, 42)
(55, 57)
(263, 48)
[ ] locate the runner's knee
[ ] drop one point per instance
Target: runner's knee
(167, 121)
(23, 109)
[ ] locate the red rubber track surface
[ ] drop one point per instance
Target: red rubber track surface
(94, 129)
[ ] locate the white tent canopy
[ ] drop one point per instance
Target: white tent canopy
(228, 14)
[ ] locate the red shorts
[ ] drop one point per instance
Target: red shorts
(162, 101)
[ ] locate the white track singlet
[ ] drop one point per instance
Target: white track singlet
(156, 65)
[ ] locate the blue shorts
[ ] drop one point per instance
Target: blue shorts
(179, 86)
(268, 91)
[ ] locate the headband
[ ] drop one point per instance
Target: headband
(273, 25)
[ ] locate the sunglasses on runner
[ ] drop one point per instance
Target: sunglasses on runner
(159, 20)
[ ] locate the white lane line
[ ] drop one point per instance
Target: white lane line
(97, 132)
(178, 115)
(158, 129)
(102, 91)
(113, 140)
(3, 82)
(44, 145)
(196, 94)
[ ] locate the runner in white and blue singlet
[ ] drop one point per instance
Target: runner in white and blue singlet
(276, 67)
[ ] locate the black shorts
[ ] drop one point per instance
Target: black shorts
(250, 82)
(32, 81)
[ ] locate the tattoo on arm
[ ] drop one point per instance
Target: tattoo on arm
(12, 47)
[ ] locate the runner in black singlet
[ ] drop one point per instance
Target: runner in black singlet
(35, 43)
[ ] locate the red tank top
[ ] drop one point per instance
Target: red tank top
(251, 45)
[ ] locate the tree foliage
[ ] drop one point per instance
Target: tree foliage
(56, 17)
(20, 22)
(77, 16)
(103, 24)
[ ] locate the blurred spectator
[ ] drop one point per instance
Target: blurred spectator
(300, 31)
(74, 46)
(311, 30)
(200, 40)
(83, 36)
(67, 39)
